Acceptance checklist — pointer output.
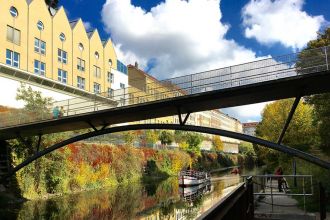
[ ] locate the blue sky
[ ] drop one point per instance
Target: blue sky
(90, 11)
(177, 37)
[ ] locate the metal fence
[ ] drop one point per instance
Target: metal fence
(290, 65)
(282, 185)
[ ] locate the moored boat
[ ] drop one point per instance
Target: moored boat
(193, 177)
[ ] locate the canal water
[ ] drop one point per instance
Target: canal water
(164, 200)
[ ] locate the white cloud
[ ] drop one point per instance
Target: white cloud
(88, 25)
(280, 21)
(178, 36)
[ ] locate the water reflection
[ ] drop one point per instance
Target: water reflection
(134, 201)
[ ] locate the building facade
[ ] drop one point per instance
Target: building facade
(44, 46)
(144, 87)
(250, 128)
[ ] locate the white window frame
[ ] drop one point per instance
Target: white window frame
(62, 76)
(39, 46)
(13, 11)
(39, 70)
(97, 72)
(40, 26)
(62, 56)
(80, 82)
(97, 88)
(79, 64)
(62, 37)
(111, 77)
(11, 60)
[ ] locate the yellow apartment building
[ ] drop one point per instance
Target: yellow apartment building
(144, 88)
(42, 46)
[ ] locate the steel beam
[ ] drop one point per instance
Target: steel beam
(285, 149)
(288, 120)
(180, 117)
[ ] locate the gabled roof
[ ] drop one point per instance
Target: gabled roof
(73, 23)
(90, 33)
(104, 42)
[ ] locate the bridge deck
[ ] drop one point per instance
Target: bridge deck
(240, 95)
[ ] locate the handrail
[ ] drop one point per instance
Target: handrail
(265, 70)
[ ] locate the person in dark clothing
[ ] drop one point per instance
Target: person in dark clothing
(279, 173)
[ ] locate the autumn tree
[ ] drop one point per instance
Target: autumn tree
(299, 134)
(217, 143)
(151, 136)
(320, 102)
(130, 137)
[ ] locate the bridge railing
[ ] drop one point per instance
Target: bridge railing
(274, 68)
(282, 185)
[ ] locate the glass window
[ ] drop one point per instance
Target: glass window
(80, 64)
(97, 88)
(42, 68)
(13, 35)
(110, 92)
(62, 37)
(62, 75)
(39, 68)
(12, 58)
(81, 82)
(9, 59)
(121, 67)
(40, 25)
(97, 72)
(97, 55)
(62, 56)
(111, 77)
(81, 47)
(122, 85)
(16, 59)
(39, 46)
(13, 11)
(110, 62)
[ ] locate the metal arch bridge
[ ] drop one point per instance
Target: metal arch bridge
(214, 131)
(259, 81)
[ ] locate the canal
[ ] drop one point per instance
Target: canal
(164, 200)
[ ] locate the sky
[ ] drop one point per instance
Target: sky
(177, 37)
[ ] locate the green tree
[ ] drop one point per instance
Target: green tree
(217, 143)
(300, 132)
(34, 101)
(320, 102)
(194, 141)
(166, 137)
(180, 136)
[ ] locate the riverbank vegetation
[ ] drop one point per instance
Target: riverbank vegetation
(95, 164)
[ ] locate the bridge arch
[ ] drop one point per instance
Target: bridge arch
(207, 130)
